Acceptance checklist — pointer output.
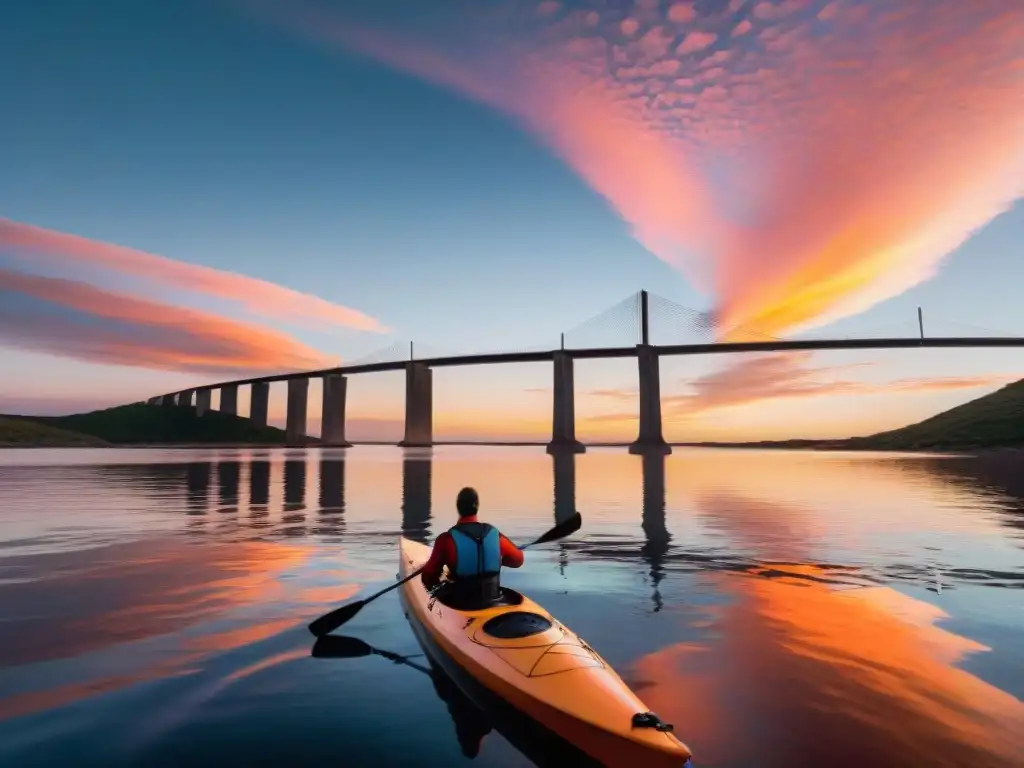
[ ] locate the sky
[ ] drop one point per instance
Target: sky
(210, 189)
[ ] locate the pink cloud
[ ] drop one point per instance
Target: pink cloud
(742, 28)
(124, 330)
(655, 43)
(548, 8)
(257, 296)
(829, 11)
(696, 41)
(681, 13)
(849, 159)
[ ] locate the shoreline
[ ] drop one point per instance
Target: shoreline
(824, 446)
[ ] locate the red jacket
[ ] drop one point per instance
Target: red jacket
(444, 554)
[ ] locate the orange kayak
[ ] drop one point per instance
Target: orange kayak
(520, 654)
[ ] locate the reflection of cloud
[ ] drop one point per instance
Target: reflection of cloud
(850, 678)
(19, 705)
(782, 375)
(260, 297)
(129, 593)
(115, 328)
(801, 160)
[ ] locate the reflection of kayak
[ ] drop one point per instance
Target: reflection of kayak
(476, 717)
(518, 654)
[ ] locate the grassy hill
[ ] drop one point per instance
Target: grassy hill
(993, 421)
(26, 433)
(154, 424)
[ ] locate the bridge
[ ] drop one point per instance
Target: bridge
(630, 320)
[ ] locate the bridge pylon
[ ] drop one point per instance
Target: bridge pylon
(649, 440)
(563, 416)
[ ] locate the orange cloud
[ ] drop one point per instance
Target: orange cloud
(257, 296)
(832, 161)
(782, 375)
(80, 321)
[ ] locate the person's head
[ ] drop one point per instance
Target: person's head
(467, 502)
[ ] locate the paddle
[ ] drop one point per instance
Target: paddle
(344, 647)
(331, 621)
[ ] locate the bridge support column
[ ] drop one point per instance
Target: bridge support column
(332, 430)
(229, 399)
(650, 439)
(563, 418)
(419, 406)
(295, 423)
(203, 401)
(259, 400)
(153, 401)
(185, 397)
(167, 399)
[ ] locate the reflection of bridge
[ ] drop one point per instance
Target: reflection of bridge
(417, 498)
(274, 496)
(631, 322)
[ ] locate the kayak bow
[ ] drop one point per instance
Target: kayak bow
(521, 654)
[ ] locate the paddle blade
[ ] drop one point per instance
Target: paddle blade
(561, 530)
(331, 621)
(341, 647)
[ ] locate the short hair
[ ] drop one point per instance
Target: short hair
(467, 502)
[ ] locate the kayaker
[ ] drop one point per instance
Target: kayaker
(474, 553)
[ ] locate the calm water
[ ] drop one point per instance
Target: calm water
(782, 609)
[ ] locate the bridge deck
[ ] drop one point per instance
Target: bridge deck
(496, 358)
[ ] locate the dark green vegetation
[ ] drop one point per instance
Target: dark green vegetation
(993, 421)
(141, 424)
(26, 433)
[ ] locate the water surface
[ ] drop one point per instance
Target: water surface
(780, 608)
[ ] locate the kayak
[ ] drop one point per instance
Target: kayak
(520, 654)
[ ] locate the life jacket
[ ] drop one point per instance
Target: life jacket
(477, 563)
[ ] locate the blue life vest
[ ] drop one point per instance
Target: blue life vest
(477, 550)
